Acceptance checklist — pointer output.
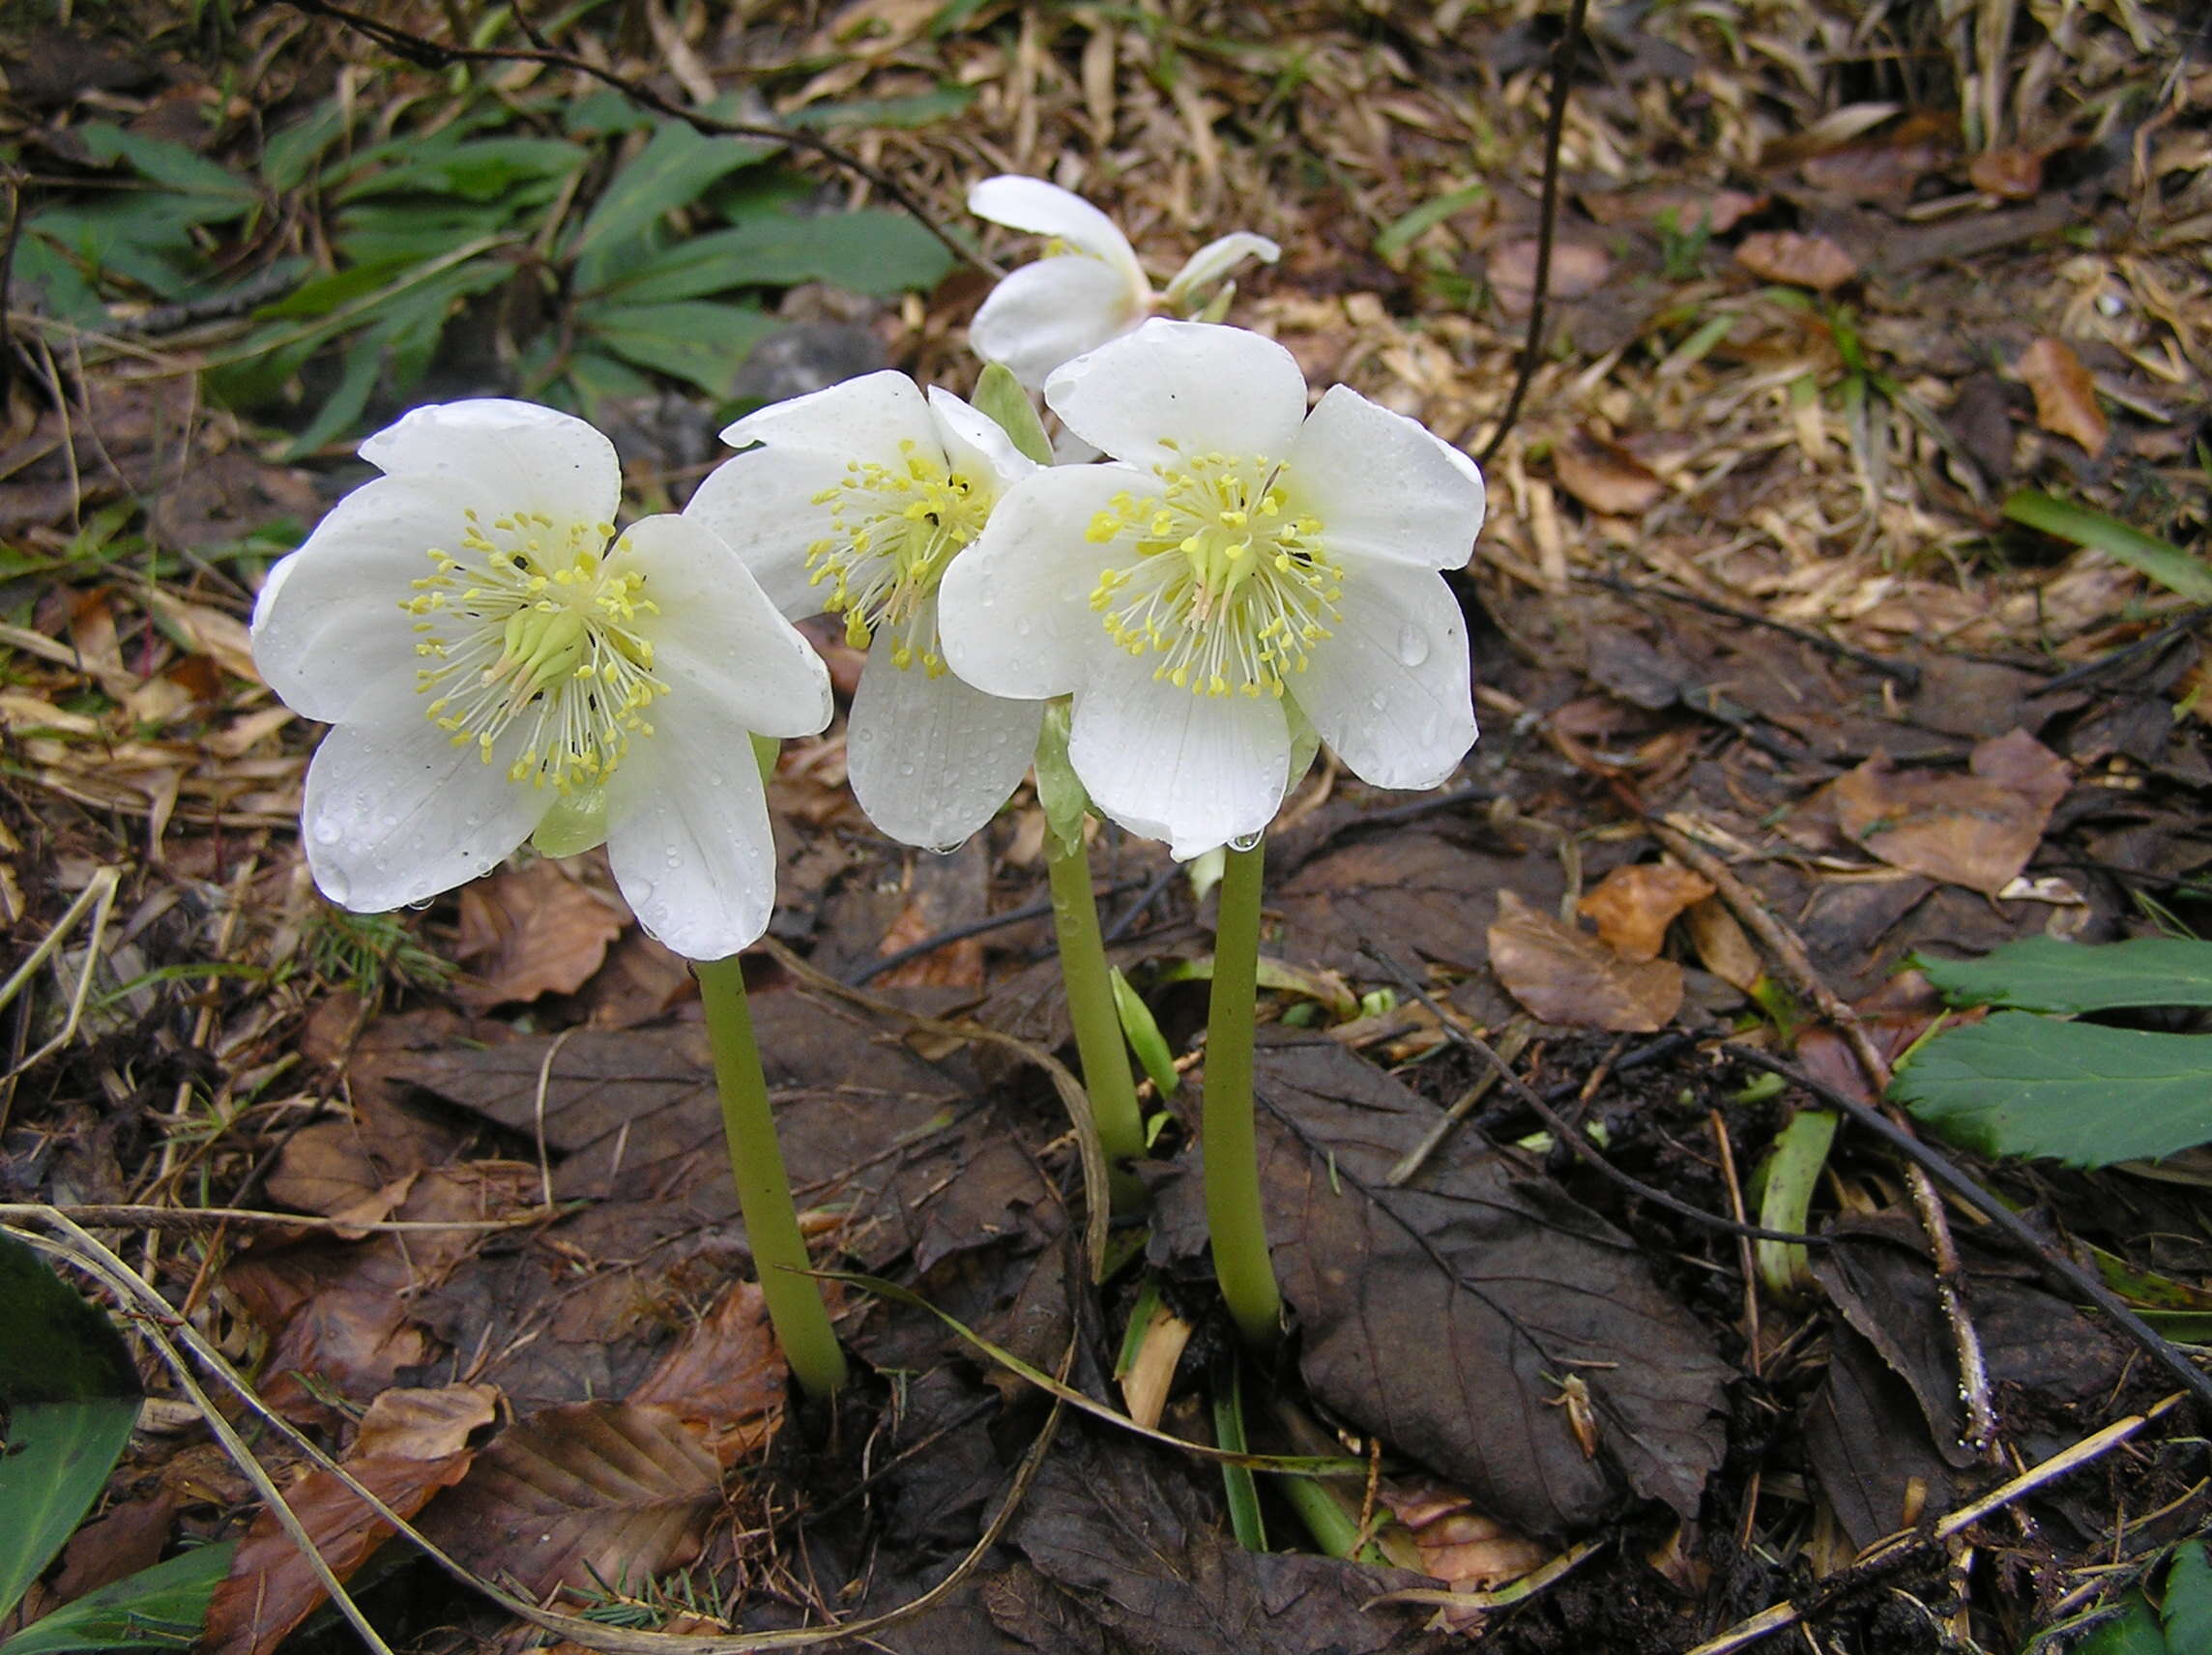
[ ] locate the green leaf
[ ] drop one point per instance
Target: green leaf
(1793, 1173)
(169, 165)
(41, 268)
(1143, 1032)
(292, 153)
(2133, 1631)
(164, 1607)
(2188, 1607)
(2041, 974)
(871, 251)
(69, 1397)
(918, 109)
(480, 169)
(2170, 566)
(700, 344)
(1402, 232)
(1000, 399)
(2078, 1093)
(673, 170)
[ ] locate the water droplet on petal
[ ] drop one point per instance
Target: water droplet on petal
(905, 770)
(391, 820)
(639, 893)
(1244, 842)
(1413, 645)
(334, 884)
(326, 832)
(1379, 702)
(946, 850)
(420, 904)
(1022, 628)
(715, 778)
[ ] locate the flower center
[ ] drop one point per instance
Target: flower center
(1229, 588)
(528, 623)
(894, 532)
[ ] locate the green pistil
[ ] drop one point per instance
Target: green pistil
(1230, 588)
(895, 531)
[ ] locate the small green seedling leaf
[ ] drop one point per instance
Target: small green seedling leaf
(1060, 789)
(69, 1396)
(2076, 1093)
(1793, 1173)
(1000, 399)
(2169, 566)
(164, 1607)
(2041, 974)
(1402, 232)
(1144, 1033)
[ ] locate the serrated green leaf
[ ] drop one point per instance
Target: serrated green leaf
(2078, 1093)
(699, 343)
(164, 1607)
(479, 169)
(2169, 566)
(168, 164)
(290, 154)
(323, 294)
(2041, 974)
(2188, 1607)
(871, 251)
(676, 166)
(42, 268)
(69, 1396)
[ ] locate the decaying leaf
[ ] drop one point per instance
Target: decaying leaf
(1682, 207)
(1458, 1544)
(725, 1376)
(2008, 170)
(1442, 1314)
(1566, 977)
(1606, 477)
(606, 1490)
(1633, 906)
(405, 1424)
(1800, 260)
(1577, 268)
(1723, 948)
(531, 931)
(2065, 396)
(1977, 830)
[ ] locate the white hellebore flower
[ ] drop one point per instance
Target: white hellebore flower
(1089, 288)
(1241, 558)
(856, 502)
(494, 669)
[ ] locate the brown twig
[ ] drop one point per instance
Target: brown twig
(437, 54)
(1926, 1202)
(1555, 133)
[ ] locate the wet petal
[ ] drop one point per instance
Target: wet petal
(1215, 260)
(329, 622)
(765, 505)
(522, 457)
(1198, 385)
(717, 638)
(688, 835)
(1049, 311)
(864, 419)
(1197, 770)
(1015, 609)
(1047, 210)
(1388, 689)
(395, 813)
(976, 445)
(1382, 485)
(931, 760)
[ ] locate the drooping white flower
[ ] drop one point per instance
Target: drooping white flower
(1089, 288)
(493, 668)
(1238, 559)
(856, 502)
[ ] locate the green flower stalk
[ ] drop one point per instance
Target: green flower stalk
(794, 1305)
(1232, 1214)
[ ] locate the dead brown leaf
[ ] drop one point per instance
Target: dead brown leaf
(1606, 477)
(1685, 207)
(1884, 168)
(404, 1424)
(2009, 171)
(1577, 268)
(1566, 977)
(2065, 396)
(1802, 261)
(1723, 947)
(531, 931)
(606, 1490)
(1633, 906)
(1458, 1543)
(726, 1375)
(1977, 830)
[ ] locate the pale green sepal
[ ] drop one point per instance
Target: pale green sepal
(766, 749)
(1206, 871)
(999, 397)
(1216, 308)
(577, 823)
(1305, 742)
(1143, 1035)
(1060, 789)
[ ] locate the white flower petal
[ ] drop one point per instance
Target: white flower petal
(395, 813)
(524, 457)
(931, 758)
(1047, 210)
(717, 638)
(1215, 260)
(1195, 771)
(329, 623)
(1199, 385)
(764, 505)
(1051, 310)
(688, 835)
(1382, 485)
(1388, 689)
(1014, 609)
(976, 445)
(861, 418)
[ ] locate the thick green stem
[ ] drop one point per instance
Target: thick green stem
(794, 1307)
(1233, 1215)
(1086, 977)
